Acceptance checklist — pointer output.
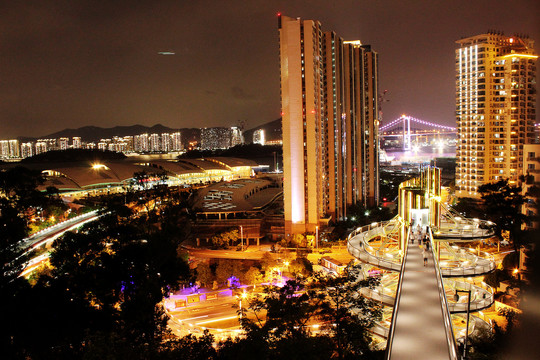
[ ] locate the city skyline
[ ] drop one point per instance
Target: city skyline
(66, 66)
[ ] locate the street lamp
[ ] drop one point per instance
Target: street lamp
(242, 296)
(456, 298)
(242, 237)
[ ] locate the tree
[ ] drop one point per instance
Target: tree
(253, 276)
(227, 269)
(204, 274)
(502, 204)
(280, 318)
(346, 315)
(225, 238)
(267, 261)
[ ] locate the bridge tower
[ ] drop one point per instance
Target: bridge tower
(406, 132)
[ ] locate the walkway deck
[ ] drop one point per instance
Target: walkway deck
(419, 325)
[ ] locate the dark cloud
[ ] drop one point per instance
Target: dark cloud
(70, 63)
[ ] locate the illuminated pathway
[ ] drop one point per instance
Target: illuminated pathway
(420, 331)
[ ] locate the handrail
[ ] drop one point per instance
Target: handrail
(450, 339)
(359, 248)
(392, 329)
(477, 304)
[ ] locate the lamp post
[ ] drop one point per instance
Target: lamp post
(242, 296)
(456, 298)
(242, 237)
(316, 237)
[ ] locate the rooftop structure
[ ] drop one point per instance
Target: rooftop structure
(77, 179)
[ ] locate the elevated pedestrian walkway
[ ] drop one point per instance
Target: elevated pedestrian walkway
(421, 327)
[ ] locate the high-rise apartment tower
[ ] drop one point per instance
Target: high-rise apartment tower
(330, 121)
(495, 109)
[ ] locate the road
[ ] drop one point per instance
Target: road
(48, 235)
(219, 316)
(52, 232)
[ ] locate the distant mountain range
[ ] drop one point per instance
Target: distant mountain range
(94, 133)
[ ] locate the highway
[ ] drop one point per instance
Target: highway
(48, 235)
(52, 232)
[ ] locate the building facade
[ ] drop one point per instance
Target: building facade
(531, 179)
(330, 121)
(495, 109)
(215, 138)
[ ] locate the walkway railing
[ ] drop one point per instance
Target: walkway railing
(359, 248)
(479, 265)
(455, 226)
(477, 302)
(392, 329)
(450, 339)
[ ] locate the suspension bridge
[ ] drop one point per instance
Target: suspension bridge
(406, 131)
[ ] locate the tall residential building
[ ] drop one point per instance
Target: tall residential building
(495, 108)
(9, 149)
(41, 147)
(63, 143)
(176, 139)
(215, 138)
(236, 136)
(140, 143)
(154, 143)
(166, 142)
(531, 172)
(329, 100)
(27, 149)
(77, 143)
(259, 137)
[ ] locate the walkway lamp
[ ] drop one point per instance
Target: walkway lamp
(456, 298)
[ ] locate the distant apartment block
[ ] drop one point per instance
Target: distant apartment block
(140, 143)
(259, 137)
(215, 138)
(166, 142)
(27, 150)
(176, 141)
(236, 136)
(77, 142)
(9, 149)
(63, 143)
(495, 109)
(41, 147)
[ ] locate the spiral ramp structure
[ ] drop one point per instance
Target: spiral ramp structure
(416, 297)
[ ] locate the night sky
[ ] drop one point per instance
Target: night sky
(67, 64)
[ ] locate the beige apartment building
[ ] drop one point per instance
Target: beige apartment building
(330, 124)
(495, 109)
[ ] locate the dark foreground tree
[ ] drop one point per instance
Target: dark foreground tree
(502, 204)
(279, 324)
